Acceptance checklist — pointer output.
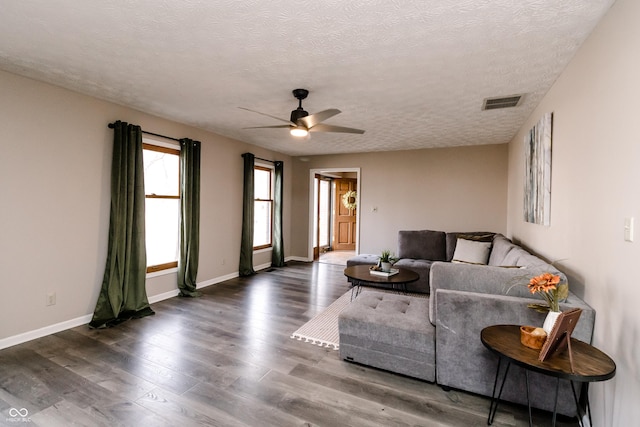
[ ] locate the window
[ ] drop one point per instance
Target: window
(262, 207)
(162, 206)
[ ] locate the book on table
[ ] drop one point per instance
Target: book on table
(389, 273)
(560, 336)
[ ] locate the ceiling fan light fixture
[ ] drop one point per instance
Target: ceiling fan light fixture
(299, 131)
(301, 123)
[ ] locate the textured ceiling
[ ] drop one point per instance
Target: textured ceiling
(412, 73)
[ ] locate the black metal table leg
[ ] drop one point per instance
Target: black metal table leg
(526, 381)
(555, 406)
(575, 399)
(493, 393)
(588, 405)
(356, 286)
(493, 408)
(585, 397)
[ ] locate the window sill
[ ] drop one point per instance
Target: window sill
(261, 251)
(162, 272)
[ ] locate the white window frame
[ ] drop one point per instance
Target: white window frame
(171, 267)
(270, 168)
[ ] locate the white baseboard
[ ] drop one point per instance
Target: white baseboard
(42, 332)
(216, 280)
(298, 258)
(262, 266)
(83, 320)
(163, 296)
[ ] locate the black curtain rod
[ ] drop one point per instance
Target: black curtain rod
(111, 125)
(265, 160)
(151, 133)
(260, 158)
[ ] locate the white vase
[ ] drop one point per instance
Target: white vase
(386, 266)
(550, 320)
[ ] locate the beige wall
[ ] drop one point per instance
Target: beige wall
(55, 192)
(595, 185)
(450, 189)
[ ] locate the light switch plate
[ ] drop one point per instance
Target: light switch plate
(628, 229)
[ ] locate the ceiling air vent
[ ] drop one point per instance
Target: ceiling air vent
(501, 102)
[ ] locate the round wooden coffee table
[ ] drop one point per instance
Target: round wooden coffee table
(360, 275)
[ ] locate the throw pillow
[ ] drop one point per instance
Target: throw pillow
(486, 237)
(472, 252)
(455, 261)
(452, 238)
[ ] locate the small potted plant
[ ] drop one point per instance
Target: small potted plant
(386, 260)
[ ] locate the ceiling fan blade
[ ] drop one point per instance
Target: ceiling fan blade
(314, 119)
(331, 128)
(268, 127)
(268, 115)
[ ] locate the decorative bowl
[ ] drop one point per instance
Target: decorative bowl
(532, 337)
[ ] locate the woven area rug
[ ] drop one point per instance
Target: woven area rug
(322, 330)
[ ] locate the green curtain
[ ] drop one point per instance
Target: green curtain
(277, 254)
(189, 217)
(246, 244)
(123, 295)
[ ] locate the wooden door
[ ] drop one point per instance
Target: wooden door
(344, 221)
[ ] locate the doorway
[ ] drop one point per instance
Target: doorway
(344, 214)
(322, 210)
(334, 219)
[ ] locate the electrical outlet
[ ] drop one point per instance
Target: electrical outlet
(51, 298)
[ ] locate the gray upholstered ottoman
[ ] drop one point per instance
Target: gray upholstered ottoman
(363, 259)
(389, 331)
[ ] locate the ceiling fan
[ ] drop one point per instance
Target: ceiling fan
(301, 123)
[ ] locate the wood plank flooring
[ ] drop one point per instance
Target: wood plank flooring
(225, 359)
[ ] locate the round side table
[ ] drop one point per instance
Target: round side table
(589, 365)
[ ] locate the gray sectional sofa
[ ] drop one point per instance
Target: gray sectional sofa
(419, 249)
(435, 335)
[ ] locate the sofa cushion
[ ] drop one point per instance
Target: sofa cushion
(420, 266)
(471, 252)
(452, 239)
(422, 244)
(520, 257)
(363, 259)
(501, 248)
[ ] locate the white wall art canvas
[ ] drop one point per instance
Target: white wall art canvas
(537, 170)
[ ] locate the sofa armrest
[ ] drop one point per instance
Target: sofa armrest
(477, 310)
(483, 279)
(463, 362)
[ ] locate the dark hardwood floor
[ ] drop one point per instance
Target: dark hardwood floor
(225, 359)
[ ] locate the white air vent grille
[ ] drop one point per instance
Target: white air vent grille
(501, 102)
